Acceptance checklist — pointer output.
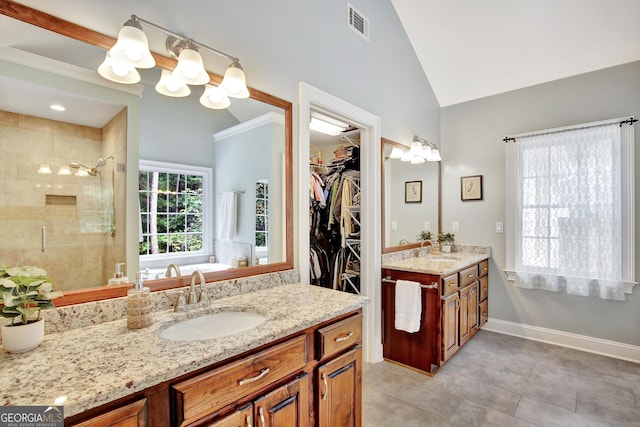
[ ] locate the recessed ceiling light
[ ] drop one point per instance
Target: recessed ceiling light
(57, 107)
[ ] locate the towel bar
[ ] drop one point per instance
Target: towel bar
(433, 285)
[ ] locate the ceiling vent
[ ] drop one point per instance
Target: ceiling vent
(357, 22)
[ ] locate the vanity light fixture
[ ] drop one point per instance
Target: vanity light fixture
(396, 153)
(430, 150)
(132, 50)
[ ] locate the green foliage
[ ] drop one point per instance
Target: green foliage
(446, 238)
(424, 235)
(25, 290)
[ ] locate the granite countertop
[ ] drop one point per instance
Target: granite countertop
(438, 263)
(97, 364)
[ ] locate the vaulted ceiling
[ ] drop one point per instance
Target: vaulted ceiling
(475, 48)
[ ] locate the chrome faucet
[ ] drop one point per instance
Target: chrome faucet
(173, 267)
(403, 242)
(423, 252)
(193, 301)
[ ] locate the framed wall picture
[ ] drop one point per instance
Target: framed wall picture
(471, 187)
(413, 192)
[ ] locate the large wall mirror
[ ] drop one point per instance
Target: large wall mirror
(161, 171)
(410, 199)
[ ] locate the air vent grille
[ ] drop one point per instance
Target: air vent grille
(358, 22)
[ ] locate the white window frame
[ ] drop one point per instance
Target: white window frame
(627, 192)
(207, 205)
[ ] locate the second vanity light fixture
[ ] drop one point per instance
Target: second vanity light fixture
(417, 153)
(131, 51)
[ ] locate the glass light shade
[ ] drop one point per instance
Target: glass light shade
(396, 153)
(118, 72)
(426, 152)
(234, 82)
(434, 156)
(82, 172)
(132, 47)
(44, 169)
(406, 157)
(417, 160)
(416, 149)
(190, 68)
(170, 86)
(64, 170)
(214, 97)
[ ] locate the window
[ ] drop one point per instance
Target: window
(570, 210)
(262, 214)
(174, 209)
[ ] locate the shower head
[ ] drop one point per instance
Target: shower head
(93, 171)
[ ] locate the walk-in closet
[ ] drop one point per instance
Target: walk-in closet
(334, 200)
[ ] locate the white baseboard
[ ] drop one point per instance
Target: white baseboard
(614, 349)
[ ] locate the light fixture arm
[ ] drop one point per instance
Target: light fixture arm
(429, 144)
(178, 36)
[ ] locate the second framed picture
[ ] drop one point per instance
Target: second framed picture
(471, 187)
(413, 192)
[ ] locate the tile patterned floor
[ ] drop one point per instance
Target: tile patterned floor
(497, 380)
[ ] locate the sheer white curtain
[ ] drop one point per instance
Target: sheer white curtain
(569, 212)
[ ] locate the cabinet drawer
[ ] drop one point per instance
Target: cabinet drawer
(483, 268)
(339, 336)
(484, 287)
(449, 285)
(206, 393)
(468, 275)
(484, 311)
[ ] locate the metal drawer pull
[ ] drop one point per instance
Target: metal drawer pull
(262, 373)
(344, 337)
(484, 313)
(248, 420)
(451, 284)
(470, 275)
(261, 413)
(323, 395)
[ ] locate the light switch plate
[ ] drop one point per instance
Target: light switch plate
(499, 227)
(427, 226)
(394, 225)
(455, 226)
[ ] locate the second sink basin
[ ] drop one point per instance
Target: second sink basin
(215, 325)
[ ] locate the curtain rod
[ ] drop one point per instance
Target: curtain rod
(620, 120)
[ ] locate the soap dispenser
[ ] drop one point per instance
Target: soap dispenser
(118, 276)
(139, 305)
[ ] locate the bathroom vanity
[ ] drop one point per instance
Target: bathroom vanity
(301, 367)
(454, 292)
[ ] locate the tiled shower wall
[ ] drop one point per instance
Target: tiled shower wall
(75, 253)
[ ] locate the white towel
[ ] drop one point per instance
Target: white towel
(408, 306)
(228, 215)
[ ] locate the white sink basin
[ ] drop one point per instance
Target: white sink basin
(214, 325)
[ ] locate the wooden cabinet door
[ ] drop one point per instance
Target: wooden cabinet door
(339, 391)
(286, 406)
(450, 343)
(472, 311)
(131, 415)
(242, 417)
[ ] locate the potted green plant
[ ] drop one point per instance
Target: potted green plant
(424, 235)
(24, 292)
(446, 241)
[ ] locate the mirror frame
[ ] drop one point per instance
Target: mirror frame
(77, 32)
(388, 249)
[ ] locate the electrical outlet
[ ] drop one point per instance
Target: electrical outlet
(499, 227)
(394, 225)
(455, 226)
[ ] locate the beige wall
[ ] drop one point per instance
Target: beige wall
(76, 253)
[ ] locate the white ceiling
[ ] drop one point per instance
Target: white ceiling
(470, 49)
